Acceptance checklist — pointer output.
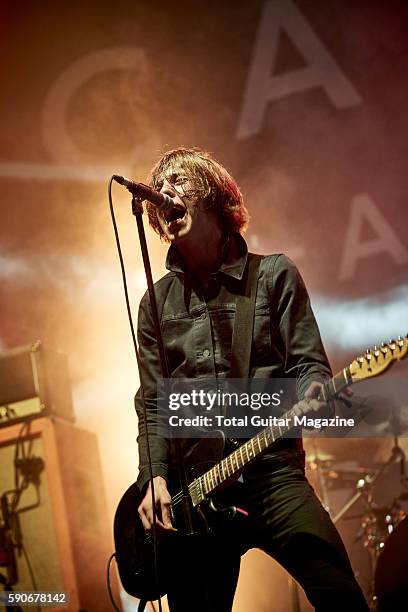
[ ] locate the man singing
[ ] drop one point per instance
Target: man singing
(207, 262)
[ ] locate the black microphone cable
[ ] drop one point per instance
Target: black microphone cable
(108, 583)
(132, 330)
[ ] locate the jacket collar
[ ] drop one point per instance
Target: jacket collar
(234, 262)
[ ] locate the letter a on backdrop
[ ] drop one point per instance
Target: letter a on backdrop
(364, 211)
(320, 71)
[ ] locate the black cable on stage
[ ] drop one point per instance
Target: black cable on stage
(20, 487)
(30, 570)
(108, 584)
(132, 330)
(24, 432)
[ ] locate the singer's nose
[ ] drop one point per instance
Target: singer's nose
(168, 189)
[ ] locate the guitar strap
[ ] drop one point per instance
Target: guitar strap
(244, 321)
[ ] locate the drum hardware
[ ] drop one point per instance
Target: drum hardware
(319, 462)
(365, 484)
(377, 522)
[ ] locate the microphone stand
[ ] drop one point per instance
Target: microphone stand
(137, 210)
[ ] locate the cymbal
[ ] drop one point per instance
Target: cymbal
(351, 468)
(358, 449)
(351, 475)
(320, 457)
(315, 452)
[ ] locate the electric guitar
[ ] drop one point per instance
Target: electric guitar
(134, 548)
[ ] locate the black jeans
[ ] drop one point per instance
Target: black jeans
(287, 521)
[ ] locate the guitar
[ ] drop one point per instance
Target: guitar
(134, 548)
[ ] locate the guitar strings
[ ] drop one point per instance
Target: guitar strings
(176, 500)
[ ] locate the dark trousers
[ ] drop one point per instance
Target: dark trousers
(287, 521)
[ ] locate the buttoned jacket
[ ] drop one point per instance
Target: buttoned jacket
(197, 327)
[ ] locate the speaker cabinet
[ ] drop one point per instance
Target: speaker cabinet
(66, 532)
(34, 382)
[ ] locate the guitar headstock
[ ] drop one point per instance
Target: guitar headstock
(378, 359)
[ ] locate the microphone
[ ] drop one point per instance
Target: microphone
(144, 192)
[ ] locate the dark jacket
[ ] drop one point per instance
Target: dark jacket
(197, 332)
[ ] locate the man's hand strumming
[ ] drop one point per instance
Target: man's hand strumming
(163, 506)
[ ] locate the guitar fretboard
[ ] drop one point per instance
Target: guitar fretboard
(250, 450)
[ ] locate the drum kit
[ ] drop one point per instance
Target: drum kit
(382, 527)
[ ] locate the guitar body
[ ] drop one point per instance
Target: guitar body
(134, 548)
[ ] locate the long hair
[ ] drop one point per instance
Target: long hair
(211, 183)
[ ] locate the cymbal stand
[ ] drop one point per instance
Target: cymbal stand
(320, 477)
(374, 537)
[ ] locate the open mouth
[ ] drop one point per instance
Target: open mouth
(175, 215)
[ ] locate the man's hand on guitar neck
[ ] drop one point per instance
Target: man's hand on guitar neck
(310, 403)
(163, 506)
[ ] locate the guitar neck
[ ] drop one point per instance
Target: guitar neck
(372, 363)
(231, 465)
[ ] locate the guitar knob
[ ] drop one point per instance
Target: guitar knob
(233, 442)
